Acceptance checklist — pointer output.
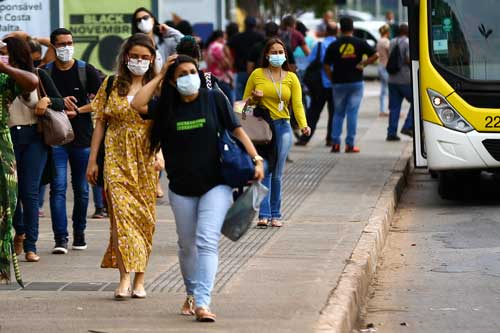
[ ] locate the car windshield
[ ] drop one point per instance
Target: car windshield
(465, 37)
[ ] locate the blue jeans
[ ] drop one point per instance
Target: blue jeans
(347, 100)
(398, 92)
(270, 208)
(384, 78)
(241, 82)
(31, 155)
(98, 198)
(78, 159)
(199, 222)
(41, 196)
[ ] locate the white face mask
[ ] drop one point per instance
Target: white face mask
(65, 53)
(145, 25)
(138, 67)
(188, 85)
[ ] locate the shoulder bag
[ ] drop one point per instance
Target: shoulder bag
(237, 167)
(55, 125)
(255, 126)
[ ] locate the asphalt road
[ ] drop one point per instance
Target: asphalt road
(440, 269)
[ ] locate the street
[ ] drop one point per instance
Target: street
(440, 268)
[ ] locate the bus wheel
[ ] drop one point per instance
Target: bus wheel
(448, 188)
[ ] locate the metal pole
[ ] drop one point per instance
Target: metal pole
(378, 9)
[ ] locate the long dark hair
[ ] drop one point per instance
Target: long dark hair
(19, 54)
(20, 57)
(169, 99)
(124, 77)
(214, 36)
(269, 44)
(156, 24)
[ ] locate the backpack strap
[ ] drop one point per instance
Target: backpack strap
(82, 74)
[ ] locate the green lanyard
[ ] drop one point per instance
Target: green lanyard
(281, 104)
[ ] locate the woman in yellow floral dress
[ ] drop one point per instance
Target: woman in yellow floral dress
(129, 175)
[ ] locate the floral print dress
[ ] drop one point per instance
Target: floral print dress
(129, 180)
(8, 182)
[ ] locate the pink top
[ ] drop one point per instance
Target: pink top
(215, 61)
(383, 46)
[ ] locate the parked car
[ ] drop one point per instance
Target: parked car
(368, 30)
(356, 15)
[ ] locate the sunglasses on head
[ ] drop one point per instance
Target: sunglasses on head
(145, 17)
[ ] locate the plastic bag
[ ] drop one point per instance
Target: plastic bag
(240, 216)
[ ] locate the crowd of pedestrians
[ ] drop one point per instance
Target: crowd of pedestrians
(161, 110)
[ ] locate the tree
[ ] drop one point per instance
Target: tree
(278, 8)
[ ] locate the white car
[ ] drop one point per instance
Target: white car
(368, 30)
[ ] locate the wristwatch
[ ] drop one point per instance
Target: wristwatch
(257, 158)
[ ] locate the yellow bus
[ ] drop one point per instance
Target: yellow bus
(455, 53)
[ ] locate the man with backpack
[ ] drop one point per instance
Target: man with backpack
(398, 67)
(76, 81)
(320, 90)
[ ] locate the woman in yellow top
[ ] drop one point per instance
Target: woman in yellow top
(129, 174)
(278, 90)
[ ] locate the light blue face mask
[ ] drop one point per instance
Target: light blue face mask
(188, 85)
(277, 60)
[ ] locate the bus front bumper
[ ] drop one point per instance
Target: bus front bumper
(453, 150)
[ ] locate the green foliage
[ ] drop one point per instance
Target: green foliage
(278, 8)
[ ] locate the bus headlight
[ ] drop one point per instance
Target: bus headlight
(449, 116)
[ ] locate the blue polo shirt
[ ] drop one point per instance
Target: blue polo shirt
(312, 56)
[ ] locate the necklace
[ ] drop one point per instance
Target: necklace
(281, 104)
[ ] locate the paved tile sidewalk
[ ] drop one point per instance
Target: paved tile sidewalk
(271, 281)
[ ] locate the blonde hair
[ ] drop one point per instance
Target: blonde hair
(384, 29)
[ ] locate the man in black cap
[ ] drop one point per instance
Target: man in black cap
(242, 44)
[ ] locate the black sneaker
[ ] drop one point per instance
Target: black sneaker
(407, 131)
(79, 242)
(61, 247)
(393, 138)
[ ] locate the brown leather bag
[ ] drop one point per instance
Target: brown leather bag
(257, 128)
(55, 125)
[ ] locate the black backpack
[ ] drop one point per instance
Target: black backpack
(395, 62)
(312, 76)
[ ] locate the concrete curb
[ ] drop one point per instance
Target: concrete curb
(342, 310)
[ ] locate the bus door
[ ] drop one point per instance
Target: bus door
(420, 156)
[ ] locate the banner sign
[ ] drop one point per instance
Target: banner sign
(32, 16)
(99, 28)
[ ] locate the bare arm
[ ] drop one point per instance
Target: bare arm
(144, 95)
(240, 134)
(328, 71)
(306, 49)
(26, 80)
(97, 136)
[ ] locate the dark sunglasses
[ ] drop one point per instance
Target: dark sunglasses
(145, 17)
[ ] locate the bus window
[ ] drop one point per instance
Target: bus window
(465, 37)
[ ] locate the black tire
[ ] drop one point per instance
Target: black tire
(434, 174)
(448, 188)
(454, 185)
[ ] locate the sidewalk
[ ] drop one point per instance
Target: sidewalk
(274, 280)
